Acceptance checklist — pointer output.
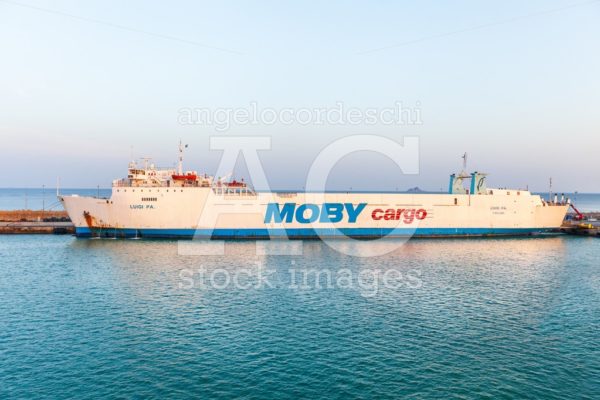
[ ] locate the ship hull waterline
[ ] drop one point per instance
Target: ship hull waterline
(303, 234)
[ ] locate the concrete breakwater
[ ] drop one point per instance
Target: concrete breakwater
(35, 221)
(588, 226)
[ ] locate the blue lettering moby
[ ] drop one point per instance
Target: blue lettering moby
(309, 213)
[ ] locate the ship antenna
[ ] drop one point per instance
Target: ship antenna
(146, 160)
(180, 164)
(464, 157)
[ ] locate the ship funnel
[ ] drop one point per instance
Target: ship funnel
(456, 184)
(478, 185)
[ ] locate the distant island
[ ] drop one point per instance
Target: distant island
(416, 189)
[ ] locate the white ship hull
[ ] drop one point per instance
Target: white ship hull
(188, 212)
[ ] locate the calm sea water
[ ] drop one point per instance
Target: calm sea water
(496, 318)
(36, 199)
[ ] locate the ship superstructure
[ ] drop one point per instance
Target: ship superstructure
(149, 176)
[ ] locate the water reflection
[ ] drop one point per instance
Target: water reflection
(441, 263)
(491, 317)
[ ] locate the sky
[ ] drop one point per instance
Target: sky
(84, 85)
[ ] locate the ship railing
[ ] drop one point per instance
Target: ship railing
(127, 184)
(233, 191)
(287, 195)
(204, 181)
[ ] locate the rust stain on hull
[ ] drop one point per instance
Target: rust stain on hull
(93, 223)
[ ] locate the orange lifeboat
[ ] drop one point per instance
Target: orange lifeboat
(188, 177)
(235, 183)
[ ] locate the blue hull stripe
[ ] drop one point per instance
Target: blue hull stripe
(302, 233)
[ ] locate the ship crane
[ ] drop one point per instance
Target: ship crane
(578, 214)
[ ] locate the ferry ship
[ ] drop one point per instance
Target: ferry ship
(172, 203)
